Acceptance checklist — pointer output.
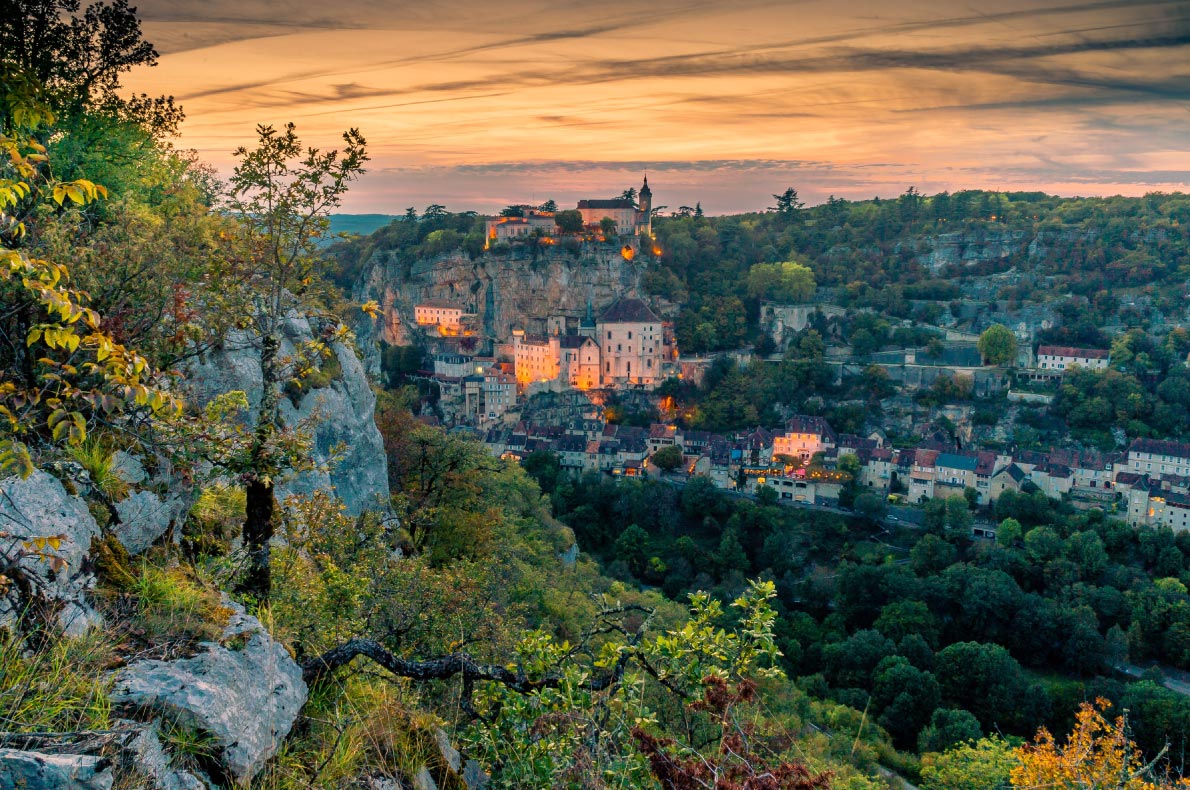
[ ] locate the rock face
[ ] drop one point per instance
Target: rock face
(151, 760)
(341, 415)
(244, 692)
(505, 290)
(39, 507)
(20, 770)
(144, 517)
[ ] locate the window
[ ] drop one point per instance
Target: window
(629, 335)
(619, 346)
(649, 363)
(609, 335)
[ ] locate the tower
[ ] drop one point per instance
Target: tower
(646, 206)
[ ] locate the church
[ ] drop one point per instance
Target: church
(632, 219)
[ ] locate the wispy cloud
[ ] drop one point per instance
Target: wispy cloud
(483, 100)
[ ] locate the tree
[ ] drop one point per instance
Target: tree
(569, 221)
(980, 765)
(78, 58)
(607, 226)
(948, 727)
(282, 195)
(788, 204)
(61, 373)
(997, 344)
(549, 207)
(668, 458)
(1097, 754)
(787, 282)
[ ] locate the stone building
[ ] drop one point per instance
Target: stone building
(631, 344)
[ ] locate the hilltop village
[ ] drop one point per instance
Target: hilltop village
(562, 390)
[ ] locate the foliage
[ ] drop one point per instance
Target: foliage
(997, 345)
(60, 372)
(984, 764)
(1098, 753)
(58, 687)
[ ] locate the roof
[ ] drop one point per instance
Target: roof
(952, 461)
(1071, 351)
(801, 423)
(613, 203)
(626, 311)
(575, 341)
(1160, 447)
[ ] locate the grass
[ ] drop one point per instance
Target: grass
(95, 457)
(60, 686)
(173, 603)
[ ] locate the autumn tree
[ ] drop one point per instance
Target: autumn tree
(997, 345)
(1098, 755)
(282, 194)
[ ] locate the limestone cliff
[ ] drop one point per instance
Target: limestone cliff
(506, 290)
(341, 413)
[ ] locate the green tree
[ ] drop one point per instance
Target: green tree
(282, 195)
(668, 458)
(569, 221)
(788, 204)
(997, 345)
(948, 727)
(607, 227)
(787, 282)
(983, 765)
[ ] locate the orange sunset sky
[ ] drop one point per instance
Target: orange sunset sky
(478, 105)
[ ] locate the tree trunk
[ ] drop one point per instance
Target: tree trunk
(260, 505)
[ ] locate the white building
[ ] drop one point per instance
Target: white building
(803, 437)
(630, 219)
(1157, 457)
(631, 344)
(533, 223)
(1062, 357)
(442, 313)
(537, 358)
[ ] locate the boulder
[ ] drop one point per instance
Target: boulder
(150, 759)
(244, 692)
(145, 517)
(423, 780)
(474, 776)
(21, 770)
(340, 415)
(450, 755)
(39, 507)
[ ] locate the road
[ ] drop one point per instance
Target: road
(1174, 680)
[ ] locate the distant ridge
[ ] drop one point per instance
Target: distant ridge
(363, 224)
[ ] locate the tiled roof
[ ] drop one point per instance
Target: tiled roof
(624, 311)
(613, 203)
(1160, 447)
(1071, 351)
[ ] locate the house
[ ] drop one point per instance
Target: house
(877, 469)
(922, 474)
(532, 223)
(803, 437)
(488, 395)
(537, 358)
(578, 361)
(1008, 478)
(954, 474)
(1159, 457)
(442, 313)
(631, 345)
(631, 219)
(454, 365)
(1060, 358)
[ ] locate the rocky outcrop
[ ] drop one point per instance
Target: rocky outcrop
(145, 517)
(505, 290)
(244, 693)
(46, 534)
(21, 770)
(151, 761)
(340, 415)
(964, 248)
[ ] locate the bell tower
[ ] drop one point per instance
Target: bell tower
(646, 206)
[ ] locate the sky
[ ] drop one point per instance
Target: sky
(722, 102)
